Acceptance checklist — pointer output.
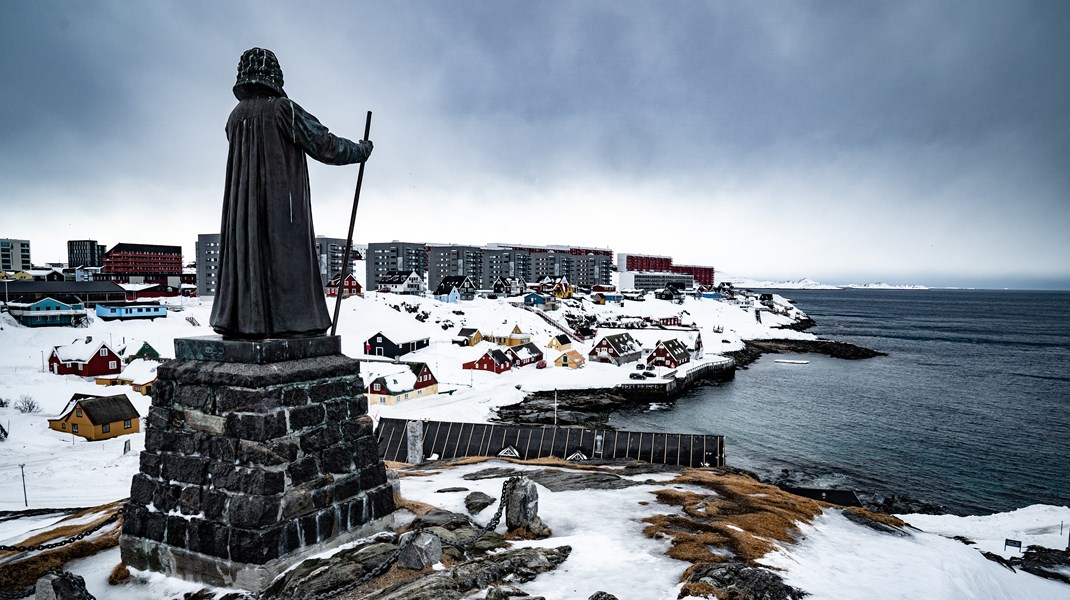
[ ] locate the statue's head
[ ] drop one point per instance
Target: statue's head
(259, 73)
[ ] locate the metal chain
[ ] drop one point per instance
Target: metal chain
(393, 556)
(70, 540)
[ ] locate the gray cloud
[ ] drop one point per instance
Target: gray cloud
(931, 138)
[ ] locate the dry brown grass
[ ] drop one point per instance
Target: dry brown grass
(742, 515)
(20, 574)
(120, 574)
(414, 506)
(889, 520)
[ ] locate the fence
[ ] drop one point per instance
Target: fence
(448, 440)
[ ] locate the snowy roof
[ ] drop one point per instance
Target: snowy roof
(79, 351)
(676, 349)
(137, 287)
(526, 351)
(398, 382)
(623, 343)
(140, 371)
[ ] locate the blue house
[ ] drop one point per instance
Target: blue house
(450, 296)
(48, 312)
(536, 299)
(124, 312)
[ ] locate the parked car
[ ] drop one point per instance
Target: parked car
(649, 374)
(541, 364)
(635, 375)
(639, 366)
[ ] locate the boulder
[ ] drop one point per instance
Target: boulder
(421, 552)
(477, 501)
(67, 586)
(518, 565)
(738, 580)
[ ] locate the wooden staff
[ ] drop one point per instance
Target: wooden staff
(349, 239)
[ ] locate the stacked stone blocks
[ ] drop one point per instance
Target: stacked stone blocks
(247, 463)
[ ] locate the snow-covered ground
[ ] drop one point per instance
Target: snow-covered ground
(833, 559)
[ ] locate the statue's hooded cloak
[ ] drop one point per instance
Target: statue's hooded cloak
(269, 273)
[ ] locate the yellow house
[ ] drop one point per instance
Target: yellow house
(97, 417)
(562, 289)
(560, 342)
(515, 338)
(570, 359)
(140, 374)
(22, 276)
(468, 337)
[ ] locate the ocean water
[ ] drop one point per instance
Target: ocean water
(970, 409)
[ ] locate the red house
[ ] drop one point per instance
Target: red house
(351, 287)
(85, 358)
(525, 354)
(668, 353)
(492, 360)
(617, 349)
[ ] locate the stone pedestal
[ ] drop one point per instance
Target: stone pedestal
(257, 455)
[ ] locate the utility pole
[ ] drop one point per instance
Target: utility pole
(25, 501)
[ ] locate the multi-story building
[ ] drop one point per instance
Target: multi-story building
(383, 257)
(504, 261)
(331, 252)
(450, 260)
(702, 275)
(550, 261)
(652, 280)
(207, 264)
(591, 266)
(85, 253)
(644, 262)
(143, 263)
(15, 255)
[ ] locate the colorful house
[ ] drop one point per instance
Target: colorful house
(468, 337)
(454, 288)
(97, 417)
(412, 382)
(560, 342)
(570, 359)
(351, 287)
(60, 311)
(561, 288)
(541, 301)
(513, 338)
(135, 349)
(616, 349)
(140, 374)
(85, 358)
(492, 360)
(669, 353)
(381, 345)
(525, 354)
(127, 312)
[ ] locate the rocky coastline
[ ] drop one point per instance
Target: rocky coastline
(593, 407)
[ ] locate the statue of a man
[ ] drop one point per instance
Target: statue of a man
(269, 283)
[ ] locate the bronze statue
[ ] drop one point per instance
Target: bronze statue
(269, 283)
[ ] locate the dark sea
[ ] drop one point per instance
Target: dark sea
(970, 409)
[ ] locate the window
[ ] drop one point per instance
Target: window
(78, 412)
(105, 428)
(64, 426)
(103, 352)
(127, 424)
(111, 364)
(74, 428)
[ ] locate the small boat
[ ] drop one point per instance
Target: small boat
(791, 362)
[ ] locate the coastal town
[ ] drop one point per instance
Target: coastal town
(495, 355)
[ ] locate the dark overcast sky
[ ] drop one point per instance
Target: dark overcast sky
(908, 142)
